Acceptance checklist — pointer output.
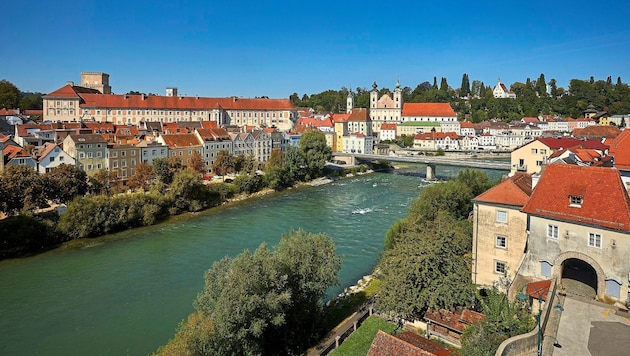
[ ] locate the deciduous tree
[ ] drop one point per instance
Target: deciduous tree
(65, 182)
(223, 164)
(316, 152)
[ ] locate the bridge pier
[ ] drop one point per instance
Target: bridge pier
(430, 172)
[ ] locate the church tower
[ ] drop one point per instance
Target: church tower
(373, 96)
(398, 100)
(350, 101)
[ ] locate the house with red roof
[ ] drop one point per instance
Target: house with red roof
(436, 140)
(580, 156)
(467, 128)
(407, 343)
(387, 132)
(51, 155)
(500, 229)
(356, 142)
(532, 156)
(16, 155)
(500, 91)
(181, 146)
(579, 228)
(620, 150)
(597, 132)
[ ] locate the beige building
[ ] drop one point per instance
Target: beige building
(500, 230)
(387, 108)
(181, 146)
(122, 160)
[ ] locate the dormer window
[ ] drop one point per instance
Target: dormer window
(576, 201)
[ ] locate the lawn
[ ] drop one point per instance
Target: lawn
(359, 342)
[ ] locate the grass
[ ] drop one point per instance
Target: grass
(340, 309)
(359, 342)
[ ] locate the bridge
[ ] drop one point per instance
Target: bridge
(430, 161)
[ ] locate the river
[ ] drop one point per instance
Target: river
(125, 293)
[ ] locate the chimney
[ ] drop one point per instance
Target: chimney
(143, 96)
(535, 178)
(70, 83)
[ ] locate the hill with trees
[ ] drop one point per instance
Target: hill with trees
(474, 100)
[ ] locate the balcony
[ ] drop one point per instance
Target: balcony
(521, 168)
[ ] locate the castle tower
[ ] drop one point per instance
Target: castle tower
(171, 91)
(373, 96)
(96, 80)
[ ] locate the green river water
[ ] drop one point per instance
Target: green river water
(124, 294)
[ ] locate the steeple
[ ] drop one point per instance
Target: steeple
(350, 100)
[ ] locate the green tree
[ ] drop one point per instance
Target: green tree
(249, 184)
(276, 173)
(65, 182)
(22, 189)
(541, 86)
(316, 152)
(443, 85)
(427, 267)
(223, 164)
(162, 171)
(452, 197)
(188, 192)
(9, 95)
(503, 319)
(103, 182)
(295, 164)
(269, 302)
(464, 90)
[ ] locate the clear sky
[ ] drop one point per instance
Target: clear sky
(274, 48)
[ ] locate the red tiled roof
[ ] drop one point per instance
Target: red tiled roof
(428, 109)
(567, 142)
(359, 115)
(11, 152)
(445, 318)
(7, 112)
(69, 91)
(514, 190)
(466, 125)
(181, 140)
(471, 317)
(340, 117)
(607, 131)
(98, 127)
(315, 122)
(528, 120)
(209, 124)
(183, 103)
(407, 343)
(605, 200)
(390, 127)
(539, 289)
(620, 149)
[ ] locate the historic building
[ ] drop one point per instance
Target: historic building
(386, 109)
(96, 103)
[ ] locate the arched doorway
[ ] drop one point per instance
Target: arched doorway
(579, 277)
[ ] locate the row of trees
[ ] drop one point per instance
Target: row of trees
(426, 264)
(474, 100)
(268, 302)
(100, 204)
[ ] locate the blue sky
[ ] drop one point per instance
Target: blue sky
(274, 48)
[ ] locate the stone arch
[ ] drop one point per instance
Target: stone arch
(601, 276)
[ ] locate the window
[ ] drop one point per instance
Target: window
(99, 166)
(500, 267)
(90, 154)
(115, 164)
(552, 231)
(539, 163)
(89, 167)
(501, 242)
(124, 163)
(52, 159)
(576, 200)
(81, 155)
(502, 216)
(115, 154)
(594, 240)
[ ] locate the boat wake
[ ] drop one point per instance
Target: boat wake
(362, 211)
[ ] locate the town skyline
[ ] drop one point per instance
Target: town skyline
(273, 50)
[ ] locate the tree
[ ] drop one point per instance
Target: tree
(269, 302)
(553, 88)
(22, 188)
(65, 182)
(196, 163)
(9, 95)
(143, 177)
(503, 319)
(276, 173)
(443, 85)
(187, 191)
(295, 165)
(452, 197)
(162, 170)
(427, 267)
(541, 86)
(102, 182)
(223, 164)
(465, 88)
(316, 152)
